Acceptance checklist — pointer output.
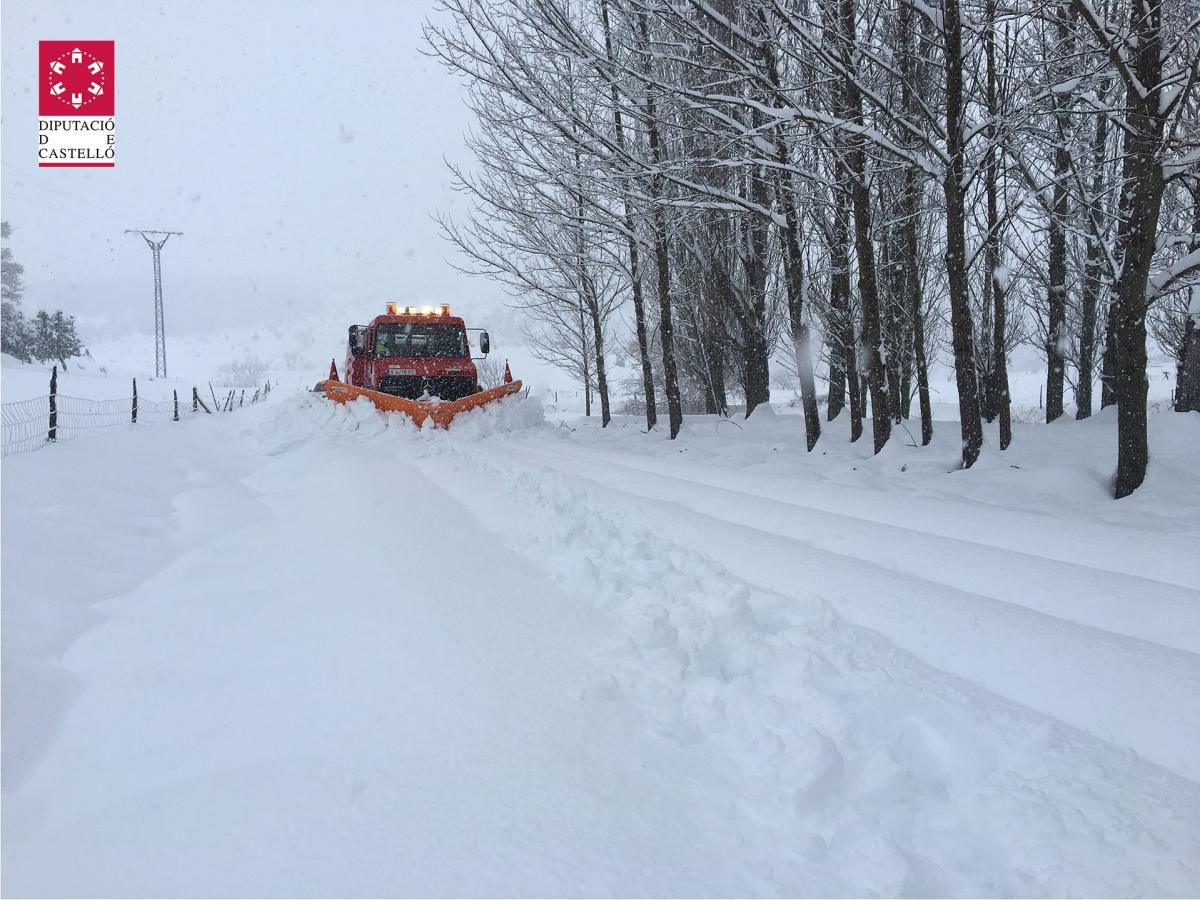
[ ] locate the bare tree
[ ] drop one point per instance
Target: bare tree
(1154, 54)
(849, 177)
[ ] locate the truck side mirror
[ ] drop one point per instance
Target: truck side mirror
(485, 343)
(355, 341)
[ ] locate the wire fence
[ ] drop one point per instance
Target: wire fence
(27, 428)
(30, 425)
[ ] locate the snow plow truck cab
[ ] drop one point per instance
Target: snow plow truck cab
(415, 360)
(414, 352)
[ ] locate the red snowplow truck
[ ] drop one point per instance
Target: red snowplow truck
(415, 360)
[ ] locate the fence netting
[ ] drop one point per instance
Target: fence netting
(27, 422)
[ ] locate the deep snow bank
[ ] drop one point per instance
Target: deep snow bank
(878, 772)
(309, 648)
(85, 521)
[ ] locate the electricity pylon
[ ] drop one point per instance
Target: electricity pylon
(160, 335)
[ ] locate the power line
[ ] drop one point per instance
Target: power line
(160, 335)
(41, 186)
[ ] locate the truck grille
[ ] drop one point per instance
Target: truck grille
(444, 387)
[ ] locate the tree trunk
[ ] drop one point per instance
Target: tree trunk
(1003, 398)
(998, 284)
(1056, 335)
(1087, 337)
(892, 338)
(662, 252)
(836, 401)
(755, 352)
(1187, 398)
(956, 270)
(585, 351)
(1093, 278)
(601, 377)
(1108, 360)
(892, 383)
(985, 347)
(643, 337)
(756, 367)
(635, 272)
(712, 357)
(845, 345)
(911, 210)
(881, 423)
(793, 261)
(666, 331)
(1137, 235)
(839, 313)
(592, 302)
(1133, 449)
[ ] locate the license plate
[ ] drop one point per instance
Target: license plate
(396, 370)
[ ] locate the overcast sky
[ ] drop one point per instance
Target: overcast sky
(299, 147)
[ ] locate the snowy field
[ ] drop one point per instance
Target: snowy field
(309, 650)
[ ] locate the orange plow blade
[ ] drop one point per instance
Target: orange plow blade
(420, 411)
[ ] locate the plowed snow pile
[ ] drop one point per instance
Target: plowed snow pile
(307, 649)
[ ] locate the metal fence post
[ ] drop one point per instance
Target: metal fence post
(133, 409)
(175, 395)
(52, 434)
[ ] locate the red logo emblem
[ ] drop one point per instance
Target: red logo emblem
(76, 78)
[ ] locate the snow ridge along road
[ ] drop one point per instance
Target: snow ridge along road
(515, 659)
(1087, 657)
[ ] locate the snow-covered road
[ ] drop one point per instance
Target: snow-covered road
(355, 690)
(306, 650)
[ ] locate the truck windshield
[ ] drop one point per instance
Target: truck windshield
(420, 340)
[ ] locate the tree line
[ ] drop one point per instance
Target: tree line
(47, 337)
(848, 180)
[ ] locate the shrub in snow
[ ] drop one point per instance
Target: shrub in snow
(245, 372)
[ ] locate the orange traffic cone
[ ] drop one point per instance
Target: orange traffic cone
(507, 373)
(333, 376)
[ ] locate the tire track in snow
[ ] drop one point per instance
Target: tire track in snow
(1161, 558)
(1098, 598)
(1041, 661)
(874, 772)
